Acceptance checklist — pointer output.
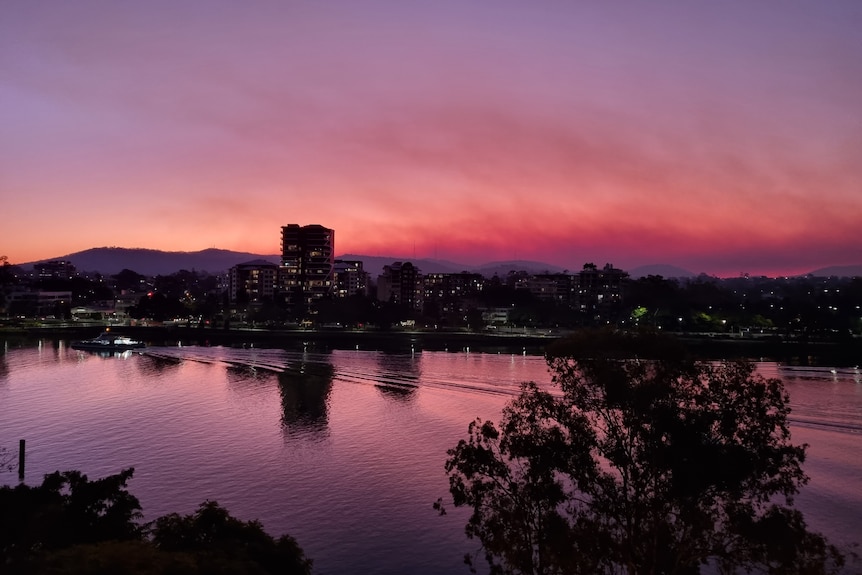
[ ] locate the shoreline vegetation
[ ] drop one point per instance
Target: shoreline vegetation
(793, 351)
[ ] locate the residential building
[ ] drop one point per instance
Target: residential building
(38, 303)
(401, 283)
(58, 269)
(448, 296)
(350, 278)
(442, 286)
(306, 273)
(252, 282)
(598, 289)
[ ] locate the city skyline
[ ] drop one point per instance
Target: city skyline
(717, 137)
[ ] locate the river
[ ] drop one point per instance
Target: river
(344, 450)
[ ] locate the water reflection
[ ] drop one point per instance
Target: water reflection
(246, 377)
(399, 374)
(125, 354)
(4, 366)
(305, 386)
(159, 364)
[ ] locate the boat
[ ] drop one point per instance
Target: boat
(107, 341)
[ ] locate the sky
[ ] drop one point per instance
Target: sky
(721, 137)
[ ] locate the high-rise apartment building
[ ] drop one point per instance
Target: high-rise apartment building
(306, 271)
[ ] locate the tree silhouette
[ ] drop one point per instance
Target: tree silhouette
(224, 544)
(74, 526)
(640, 461)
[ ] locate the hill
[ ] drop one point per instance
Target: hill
(839, 271)
(502, 269)
(663, 270)
(110, 261)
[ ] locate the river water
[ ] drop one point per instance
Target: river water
(344, 450)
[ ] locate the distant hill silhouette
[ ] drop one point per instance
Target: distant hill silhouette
(663, 270)
(110, 261)
(839, 271)
(502, 269)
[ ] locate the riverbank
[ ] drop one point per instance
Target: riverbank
(707, 346)
(319, 340)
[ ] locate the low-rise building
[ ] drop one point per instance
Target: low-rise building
(350, 278)
(253, 282)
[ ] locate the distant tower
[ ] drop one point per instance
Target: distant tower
(306, 271)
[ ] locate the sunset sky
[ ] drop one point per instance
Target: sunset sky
(722, 137)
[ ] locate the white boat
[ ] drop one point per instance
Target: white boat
(107, 341)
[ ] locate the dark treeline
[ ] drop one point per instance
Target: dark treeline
(70, 525)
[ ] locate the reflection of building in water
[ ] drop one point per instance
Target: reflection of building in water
(151, 364)
(305, 387)
(247, 376)
(398, 375)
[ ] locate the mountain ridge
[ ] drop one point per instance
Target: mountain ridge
(151, 262)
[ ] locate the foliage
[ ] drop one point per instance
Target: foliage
(221, 543)
(639, 461)
(110, 557)
(7, 278)
(128, 279)
(66, 509)
(158, 307)
(71, 525)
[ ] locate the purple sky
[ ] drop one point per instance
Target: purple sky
(723, 137)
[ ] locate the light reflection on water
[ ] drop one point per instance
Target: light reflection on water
(343, 450)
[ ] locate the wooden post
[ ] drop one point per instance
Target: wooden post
(21, 460)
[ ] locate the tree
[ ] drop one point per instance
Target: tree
(158, 307)
(223, 544)
(640, 461)
(73, 526)
(7, 278)
(128, 279)
(67, 509)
